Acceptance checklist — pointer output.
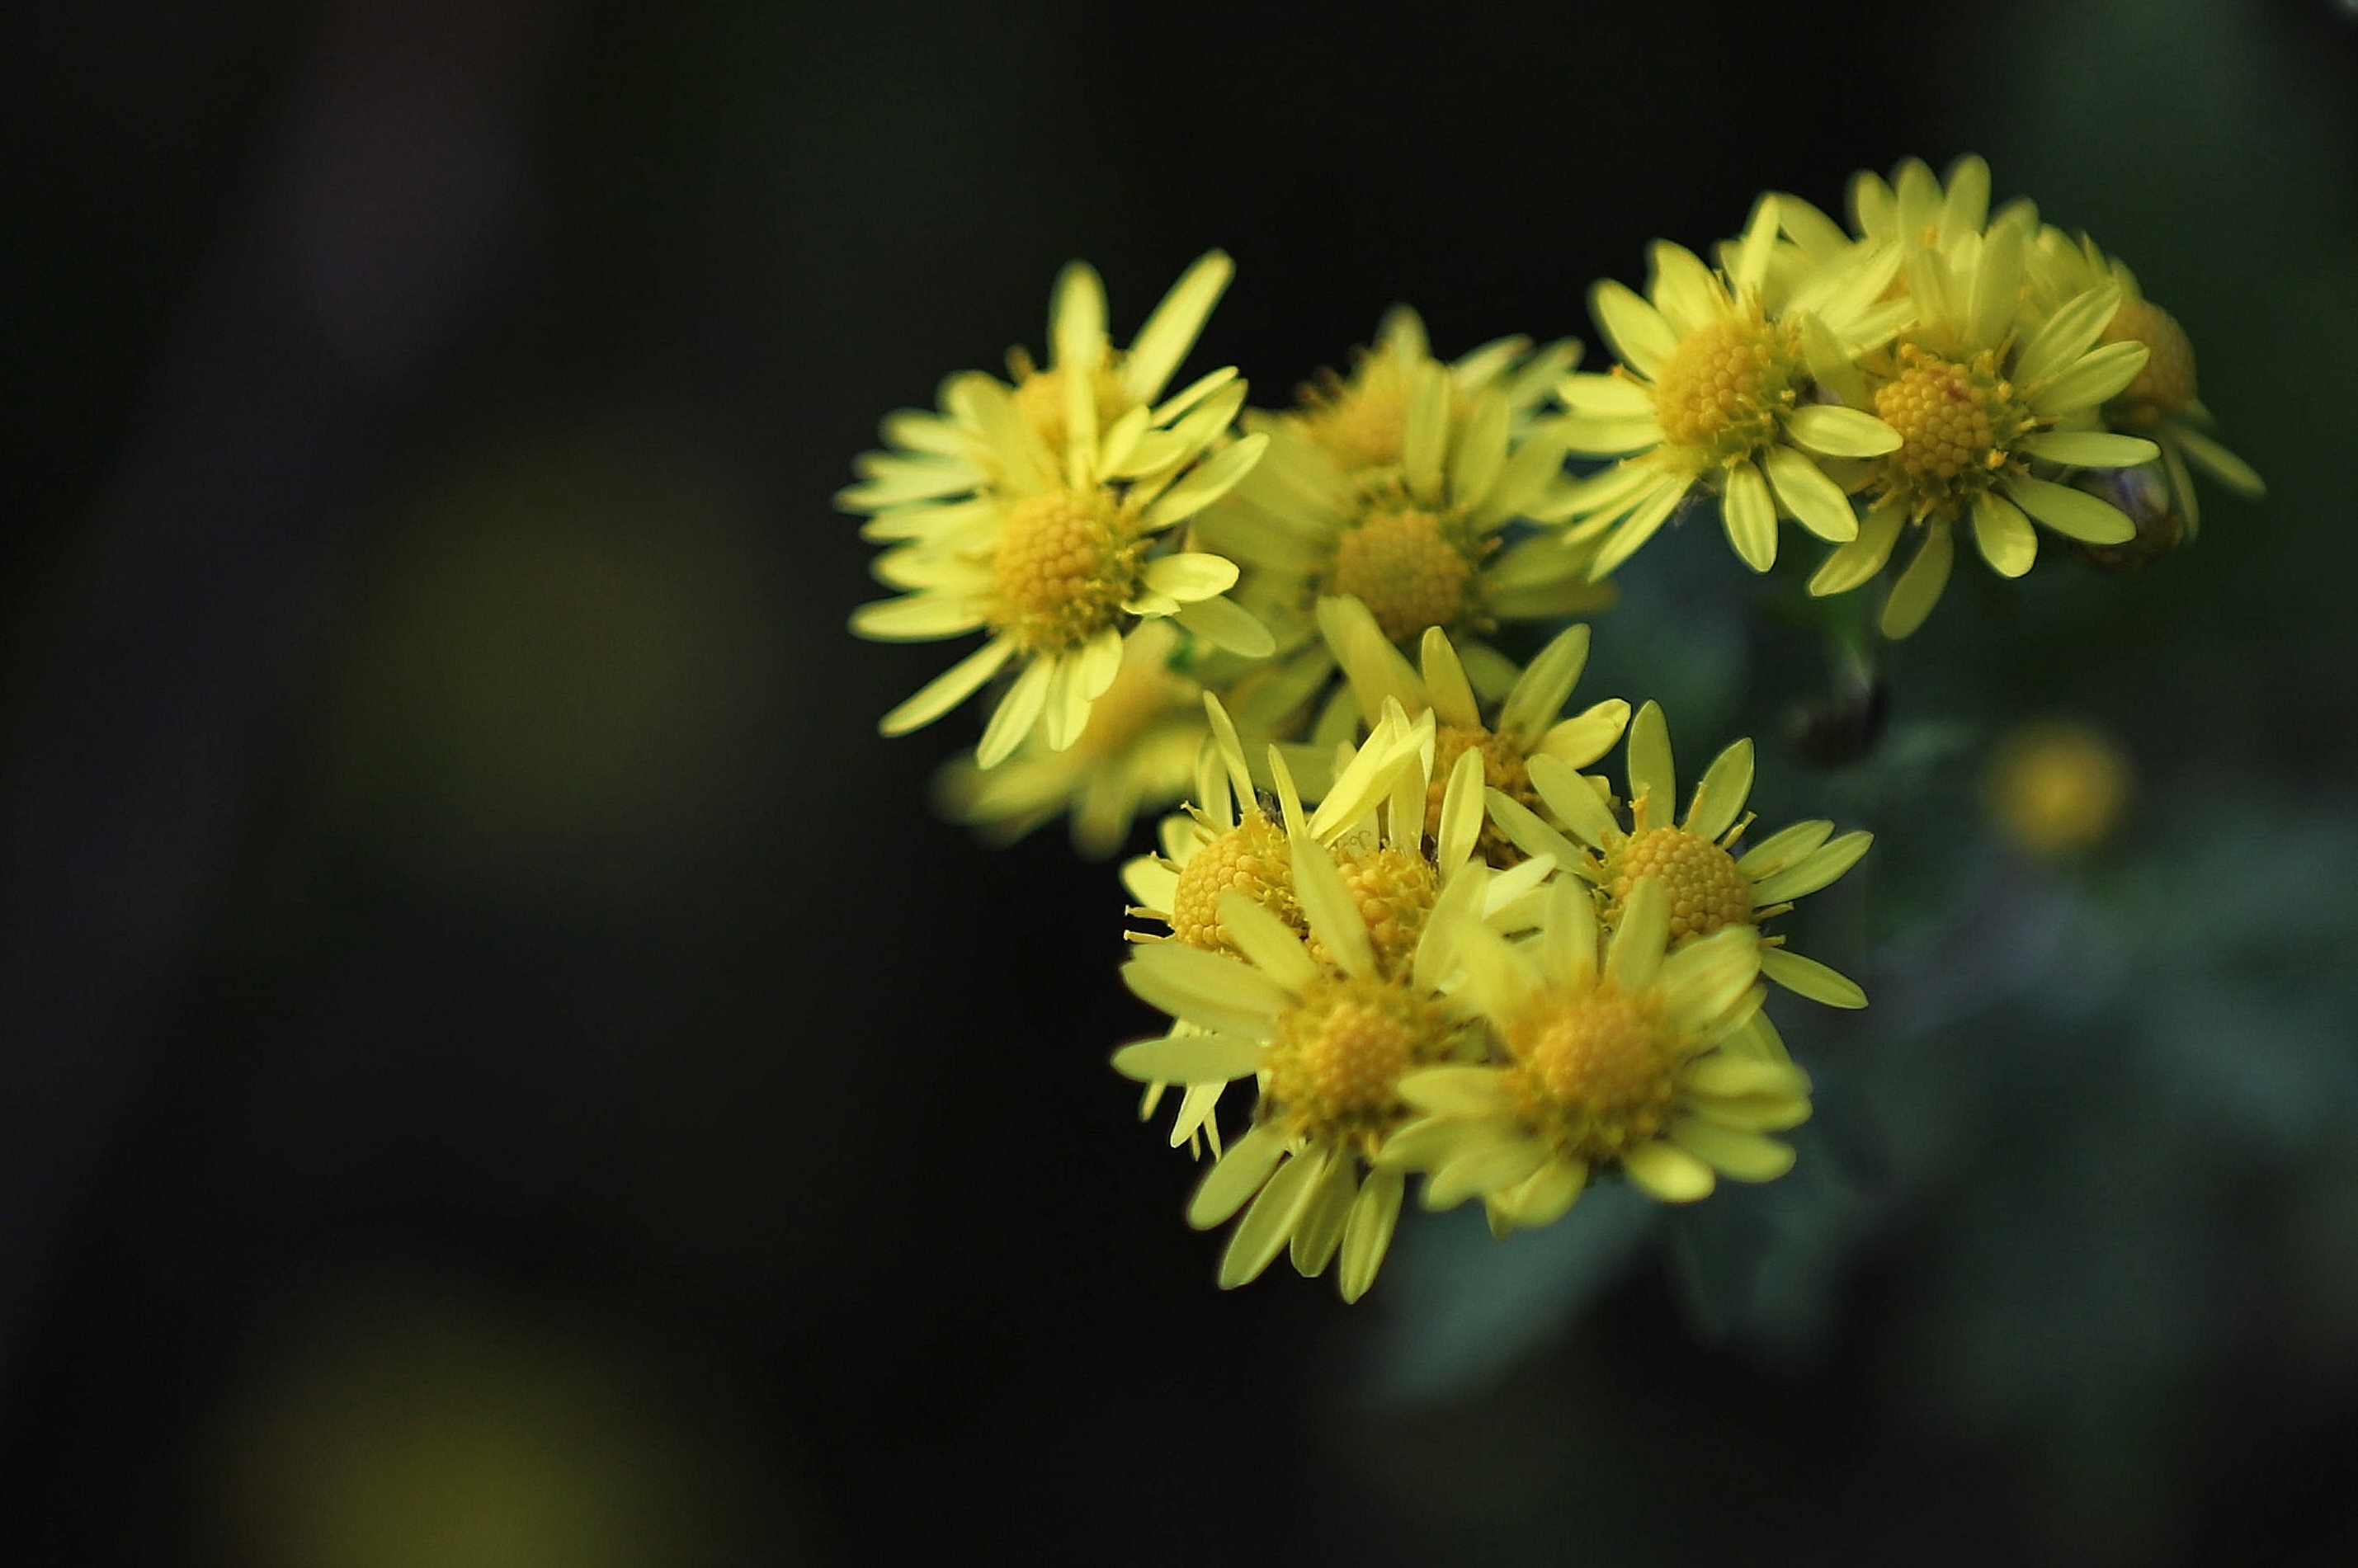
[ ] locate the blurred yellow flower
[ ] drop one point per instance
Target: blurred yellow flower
(1136, 753)
(1396, 488)
(2057, 788)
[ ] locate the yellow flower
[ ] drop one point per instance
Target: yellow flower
(1527, 723)
(1373, 822)
(1057, 551)
(1983, 407)
(1734, 384)
(1330, 1038)
(1416, 537)
(1137, 752)
(1612, 1052)
(1707, 887)
(2056, 789)
(1362, 422)
(2161, 404)
(1230, 844)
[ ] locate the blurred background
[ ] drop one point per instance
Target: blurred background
(499, 1065)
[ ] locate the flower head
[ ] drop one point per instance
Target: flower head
(1396, 488)
(1232, 844)
(1527, 723)
(1136, 753)
(1057, 551)
(1706, 886)
(1990, 410)
(1609, 1051)
(1732, 383)
(2056, 789)
(1329, 1030)
(2162, 403)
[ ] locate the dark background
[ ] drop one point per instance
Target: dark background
(500, 1065)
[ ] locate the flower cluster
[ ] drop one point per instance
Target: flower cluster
(1932, 367)
(1397, 908)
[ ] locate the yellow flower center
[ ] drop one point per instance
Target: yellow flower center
(1403, 566)
(1393, 892)
(1957, 423)
(1723, 389)
(1362, 423)
(1503, 769)
(1707, 891)
(1040, 398)
(1250, 859)
(1595, 1072)
(2166, 385)
(1336, 1068)
(1064, 567)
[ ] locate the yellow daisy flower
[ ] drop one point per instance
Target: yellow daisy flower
(1708, 887)
(1231, 844)
(1055, 550)
(1329, 1037)
(2160, 404)
(1616, 1053)
(2056, 788)
(1984, 408)
(1418, 540)
(1136, 753)
(1732, 384)
(1372, 821)
(1362, 421)
(1529, 721)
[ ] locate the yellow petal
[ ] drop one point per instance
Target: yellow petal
(1163, 343)
(1269, 1224)
(1840, 432)
(1667, 1173)
(1749, 516)
(1368, 1232)
(1747, 1156)
(1236, 1176)
(2073, 512)
(1814, 500)
(950, 688)
(1653, 778)
(1919, 588)
(2003, 534)
(1720, 797)
(1854, 563)
(1637, 331)
(1807, 977)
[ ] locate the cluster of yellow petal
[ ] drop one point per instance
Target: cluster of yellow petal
(1471, 962)
(1932, 367)
(1394, 902)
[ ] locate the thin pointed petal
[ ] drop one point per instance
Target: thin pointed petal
(1919, 588)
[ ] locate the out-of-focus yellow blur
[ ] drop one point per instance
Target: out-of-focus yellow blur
(2057, 788)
